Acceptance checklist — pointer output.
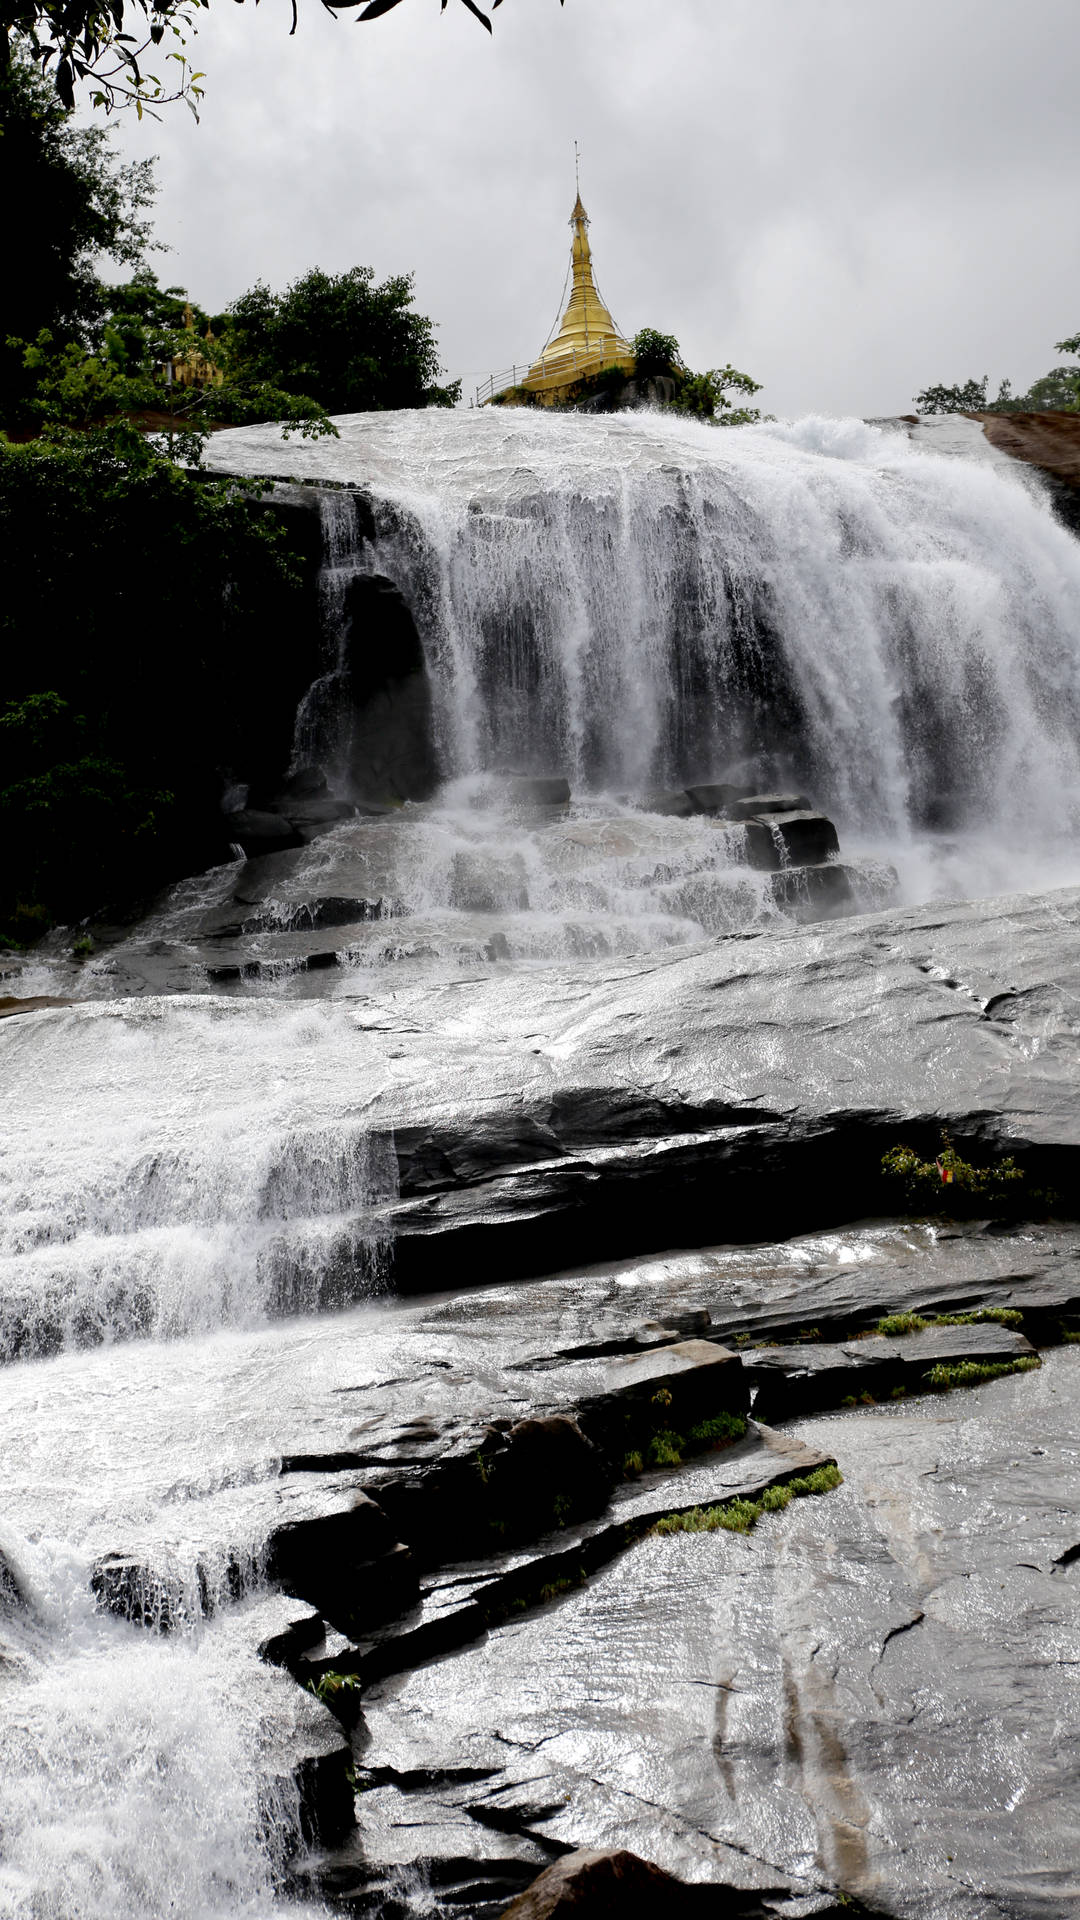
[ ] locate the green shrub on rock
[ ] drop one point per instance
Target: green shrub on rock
(949, 1185)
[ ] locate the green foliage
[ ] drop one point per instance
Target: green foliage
(740, 1516)
(706, 396)
(355, 346)
(147, 584)
(655, 353)
(953, 1186)
(68, 202)
(567, 1583)
(822, 1480)
(974, 1373)
(332, 1685)
(1058, 390)
(634, 1464)
(775, 1499)
(894, 1323)
(719, 1431)
(971, 397)
(665, 1449)
(101, 43)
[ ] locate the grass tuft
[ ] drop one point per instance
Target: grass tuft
(974, 1373)
(665, 1449)
(896, 1323)
(739, 1516)
(721, 1430)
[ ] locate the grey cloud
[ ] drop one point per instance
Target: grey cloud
(846, 198)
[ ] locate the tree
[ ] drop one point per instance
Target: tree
(655, 354)
(128, 684)
(972, 397)
(1056, 391)
(706, 394)
(356, 346)
(72, 350)
(103, 44)
(67, 201)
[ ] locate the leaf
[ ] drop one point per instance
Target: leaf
(377, 7)
(482, 17)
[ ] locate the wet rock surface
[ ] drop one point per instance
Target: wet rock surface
(875, 1689)
(625, 1105)
(872, 1690)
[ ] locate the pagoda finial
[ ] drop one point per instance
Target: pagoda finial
(587, 338)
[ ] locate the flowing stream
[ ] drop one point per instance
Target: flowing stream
(631, 602)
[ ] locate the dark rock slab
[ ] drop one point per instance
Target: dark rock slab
(751, 806)
(763, 849)
(462, 1599)
(716, 797)
(804, 838)
(618, 1883)
(318, 811)
(325, 910)
(815, 892)
(790, 1381)
(260, 832)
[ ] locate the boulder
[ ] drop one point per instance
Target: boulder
(715, 797)
(320, 811)
(752, 805)
(329, 910)
(259, 832)
(813, 893)
(551, 1466)
(808, 839)
(345, 1563)
(305, 783)
(610, 1883)
(664, 1387)
(761, 847)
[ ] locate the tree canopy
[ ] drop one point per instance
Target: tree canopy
(109, 45)
(67, 202)
(357, 346)
(1056, 391)
(704, 394)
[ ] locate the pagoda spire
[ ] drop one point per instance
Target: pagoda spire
(588, 338)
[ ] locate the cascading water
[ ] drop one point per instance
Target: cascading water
(631, 602)
(319, 737)
(640, 601)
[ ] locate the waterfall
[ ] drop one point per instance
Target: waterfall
(633, 602)
(320, 734)
(238, 1196)
(638, 601)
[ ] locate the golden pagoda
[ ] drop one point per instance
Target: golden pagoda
(587, 339)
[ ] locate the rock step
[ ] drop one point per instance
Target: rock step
(792, 1381)
(356, 1558)
(462, 1601)
(605, 1885)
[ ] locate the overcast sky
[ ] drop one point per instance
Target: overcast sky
(845, 198)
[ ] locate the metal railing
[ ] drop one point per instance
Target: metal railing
(565, 368)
